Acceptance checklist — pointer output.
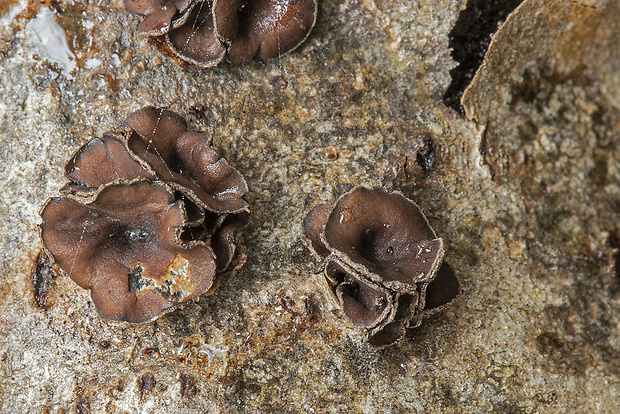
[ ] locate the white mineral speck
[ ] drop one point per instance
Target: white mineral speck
(92, 63)
(48, 39)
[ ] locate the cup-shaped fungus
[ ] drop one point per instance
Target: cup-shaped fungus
(159, 13)
(148, 218)
(382, 262)
(203, 32)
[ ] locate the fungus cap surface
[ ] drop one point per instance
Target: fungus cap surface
(314, 224)
(442, 290)
(159, 14)
(195, 40)
(184, 161)
(203, 33)
(386, 234)
(103, 160)
(365, 304)
(382, 262)
(265, 28)
(125, 248)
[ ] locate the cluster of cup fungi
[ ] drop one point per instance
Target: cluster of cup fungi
(148, 218)
(203, 32)
(382, 263)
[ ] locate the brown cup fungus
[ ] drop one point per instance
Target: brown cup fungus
(147, 220)
(203, 32)
(382, 262)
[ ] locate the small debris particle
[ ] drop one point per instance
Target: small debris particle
(188, 385)
(151, 351)
(288, 304)
(425, 156)
(278, 82)
(104, 345)
(41, 278)
(146, 383)
(331, 153)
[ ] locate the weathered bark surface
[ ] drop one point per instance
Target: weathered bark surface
(524, 189)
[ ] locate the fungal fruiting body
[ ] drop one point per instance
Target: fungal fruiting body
(382, 262)
(203, 32)
(147, 219)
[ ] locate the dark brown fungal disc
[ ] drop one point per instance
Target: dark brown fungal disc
(147, 221)
(382, 262)
(159, 13)
(203, 32)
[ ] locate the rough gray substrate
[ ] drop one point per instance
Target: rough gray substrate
(526, 196)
